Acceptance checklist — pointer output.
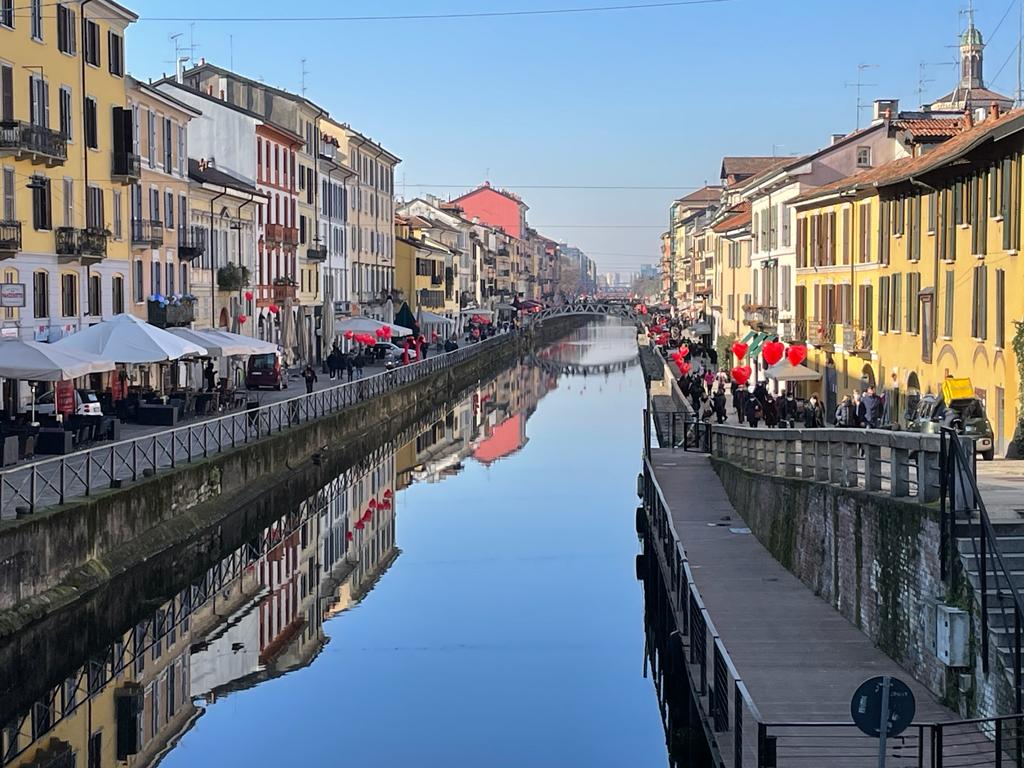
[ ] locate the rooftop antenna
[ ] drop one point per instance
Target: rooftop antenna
(179, 59)
(860, 85)
(192, 41)
(775, 147)
(304, 73)
(923, 79)
(231, 52)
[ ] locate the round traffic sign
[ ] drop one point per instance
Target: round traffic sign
(866, 706)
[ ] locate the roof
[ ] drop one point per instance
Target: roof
(976, 96)
(211, 175)
(706, 194)
(745, 166)
(505, 439)
(207, 66)
(163, 96)
(771, 168)
(486, 186)
(924, 128)
(904, 169)
(738, 216)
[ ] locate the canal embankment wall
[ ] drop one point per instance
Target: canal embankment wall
(56, 556)
(873, 558)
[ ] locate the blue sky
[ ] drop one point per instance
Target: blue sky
(650, 97)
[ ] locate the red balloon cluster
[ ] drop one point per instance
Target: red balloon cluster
(684, 351)
(384, 332)
(360, 525)
(349, 536)
(387, 494)
(274, 309)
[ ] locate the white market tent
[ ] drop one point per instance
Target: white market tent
(786, 371)
(127, 339)
(36, 361)
(223, 343)
(369, 325)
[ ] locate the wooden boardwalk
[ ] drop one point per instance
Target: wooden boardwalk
(799, 659)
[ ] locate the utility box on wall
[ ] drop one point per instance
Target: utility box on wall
(951, 635)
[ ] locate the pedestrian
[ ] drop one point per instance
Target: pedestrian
(349, 365)
(309, 376)
(787, 409)
(706, 408)
(869, 412)
(359, 362)
(814, 414)
(752, 409)
(846, 413)
(696, 393)
(719, 402)
(771, 411)
(423, 347)
(709, 380)
(735, 390)
(210, 375)
(334, 361)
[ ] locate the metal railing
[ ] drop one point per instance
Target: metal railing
(25, 489)
(903, 464)
(821, 333)
(148, 232)
(88, 243)
(731, 718)
(10, 236)
(126, 166)
(20, 137)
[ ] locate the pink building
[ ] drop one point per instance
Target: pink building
(495, 208)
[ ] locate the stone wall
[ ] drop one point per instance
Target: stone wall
(873, 558)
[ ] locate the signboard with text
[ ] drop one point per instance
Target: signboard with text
(12, 294)
(64, 397)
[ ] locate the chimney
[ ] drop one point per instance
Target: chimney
(968, 120)
(993, 110)
(836, 138)
(885, 109)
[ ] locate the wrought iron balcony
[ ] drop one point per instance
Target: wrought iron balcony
(171, 315)
(10, 238)
(821, 333)
(125, 167)
(148, 232)
(84, 244)
(283, 289)
(317, 253)
(39, 144)
(191, 243)
(857, 338)
(760, 317)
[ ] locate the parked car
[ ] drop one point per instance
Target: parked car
(265, 371)
(392, 354)
(966, 415)
(86, 403)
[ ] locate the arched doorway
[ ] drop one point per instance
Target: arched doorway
(223, 322)
(867, 377)
(913, 396)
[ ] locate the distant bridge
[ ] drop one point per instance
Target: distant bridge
(593, 308)
(581, 369)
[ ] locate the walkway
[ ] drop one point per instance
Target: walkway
(799, 659)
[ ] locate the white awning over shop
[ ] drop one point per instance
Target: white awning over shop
(786, 371)
(127, 339)
(37, 361)
(369, 325)
(429, 318)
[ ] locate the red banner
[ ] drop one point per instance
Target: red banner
(64, 397)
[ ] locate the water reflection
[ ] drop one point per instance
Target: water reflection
(259, 613)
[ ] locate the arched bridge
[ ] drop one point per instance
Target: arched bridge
(593, 308)
(581, 369)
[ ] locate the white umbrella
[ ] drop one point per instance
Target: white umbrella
(213, 348)
(36, 361)
(369, 325)
(237, 343)
(786, 371)
(127, 339)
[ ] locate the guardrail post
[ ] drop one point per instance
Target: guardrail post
(821, 458)
(872, 467)
(927, 473)
(899, 472)
(789, 457)
(766, 748)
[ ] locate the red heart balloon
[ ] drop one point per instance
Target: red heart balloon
(773, 351)
(740, 349)
(241, 319)
(741, 374)
(684, 351)
(684, 368)
(796, 354)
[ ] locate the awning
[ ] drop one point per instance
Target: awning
(127, 339)
(369, 325)
(220, 343)
(786, 371)
(429, 318)
(701, 329)
(478, 311)
(36, 361)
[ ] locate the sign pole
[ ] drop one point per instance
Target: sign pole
(883, 726)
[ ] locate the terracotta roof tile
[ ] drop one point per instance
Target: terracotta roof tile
(740, 217)
(931, 127)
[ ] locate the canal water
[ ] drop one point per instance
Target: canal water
(467, 598)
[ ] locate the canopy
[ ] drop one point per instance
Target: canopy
(36, 361)
(429, 318)
(786, 371)
(701, 329)
(369, 325)
(127, 339)
(478, 311)
(220, 343)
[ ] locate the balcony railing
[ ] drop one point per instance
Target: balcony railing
(821, 333)
(857, 338)
(191, 243)
(317, 254)
(42, 145)
(125, 167)
(761, 317)
(10, 238)
(279, 234)
(283, 291)
(171, 315)
(148, 233)
(81, 243)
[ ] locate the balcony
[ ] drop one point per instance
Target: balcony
(85, 244)
(821, 333)
(857, 338)
(38, 144)
(171, 315)
(10, 238)
(279, 234)
(191, 243)
(125, 167)
(147, 233)
(317, 254)
(282, 290)
(436, 280)
(760, 317)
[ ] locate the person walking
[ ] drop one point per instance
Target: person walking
(309, 376)
(771, 411)
(719, 403)
(349, 365)
(869, 412)
(788, 409)
(814, 414)
(752, 410)
(334, 361)
(210, 375)
(359, 362)
(846, 413)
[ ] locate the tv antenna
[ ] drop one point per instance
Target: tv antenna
(860, 85)
(304, 73)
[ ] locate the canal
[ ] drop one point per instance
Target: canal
(468, 597)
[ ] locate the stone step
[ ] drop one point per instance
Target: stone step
(1007, 544)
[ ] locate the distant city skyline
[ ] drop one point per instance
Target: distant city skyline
(598, 144)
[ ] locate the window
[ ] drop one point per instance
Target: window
(7, 211)
(66, 40)
(151, 137)
(1000, 339)
(95, 750)
(154, 205)
(69, 202)
(36, 13)
(947, 322)
(979, 303)
(138, 280)
(933, 205)
(41, 294)
(94, 214)
(39, 106)
(154, 277)
(69, 294)
(6, 93)
(95, 296)
(117, 295)
(927, 310)
(118, 223)
(169, 210)
(91, 134)
(183, 284)
(913, 305)
(7, 13)
(92, 43)
(182, 155)
(42, 212)
(170, 276)
(895, 320)
(115, 53)
(863, 157)
(168, 153)
(66, 112)
(883, 304)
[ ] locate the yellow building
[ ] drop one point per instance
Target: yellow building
(65, 155)
(917, 289)
(419, 266)
(730, 234)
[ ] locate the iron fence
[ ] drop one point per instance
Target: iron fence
(25, 489)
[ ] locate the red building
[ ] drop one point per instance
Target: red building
(495, 208)
(276, 271)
